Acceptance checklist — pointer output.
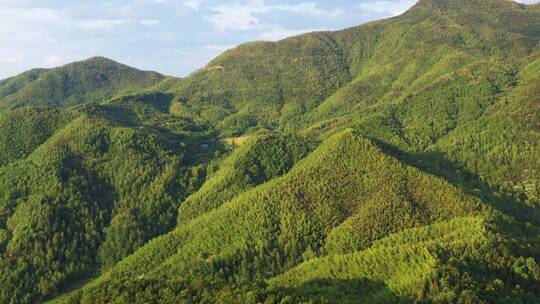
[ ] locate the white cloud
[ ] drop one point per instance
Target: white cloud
(309, 8)
(10, 59)
(242, 16)
(390, 8)
(237, 16)
(29, 14)
(52, 60)
(149, 22)
(193, 4)
(233, 20)
(101, 24)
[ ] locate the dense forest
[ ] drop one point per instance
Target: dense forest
(392, 162)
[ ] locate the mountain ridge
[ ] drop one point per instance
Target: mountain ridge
(96, 79)
(401, 153)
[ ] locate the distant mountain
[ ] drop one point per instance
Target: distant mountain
(94, 80)
(393, 162)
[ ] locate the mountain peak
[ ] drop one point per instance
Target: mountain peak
(507, 15)
(92, 80)
(464, 4)
(98, 60)
(384, 163)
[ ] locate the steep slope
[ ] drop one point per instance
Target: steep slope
(503, 146)
(262, 158)
(461, 260)
(411, 81)
(432, 197)
(270, 229)
(23, 130)
(262, 83)
(409, 61)
(93, 80)
(80, 192)
(314, 77)
(437, 71)
(13, 84)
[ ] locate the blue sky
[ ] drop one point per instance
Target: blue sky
(174, 37)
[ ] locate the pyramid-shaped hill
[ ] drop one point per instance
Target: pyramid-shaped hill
(342, 200)
(395, 161)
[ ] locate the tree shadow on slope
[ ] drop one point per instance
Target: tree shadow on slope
(131, 110)
(180, 135)
(438, 164)
(341, 291)
(160, 101)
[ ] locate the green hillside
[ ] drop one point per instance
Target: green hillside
(13, 84)
(82, 193)
(265, 157)
(25, 129)
(323, 75)
(343, 237)
(93, 80)
(393, 162)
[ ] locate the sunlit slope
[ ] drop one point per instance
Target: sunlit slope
(309, 78)
(435, 189)
(94, 80)
(405, 267)
(263, 157)
(80, 192)
(305, 214)
(23, 130)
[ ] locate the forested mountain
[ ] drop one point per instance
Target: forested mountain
(94, 80)
(393, 162)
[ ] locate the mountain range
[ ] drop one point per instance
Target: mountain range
(393, 162)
